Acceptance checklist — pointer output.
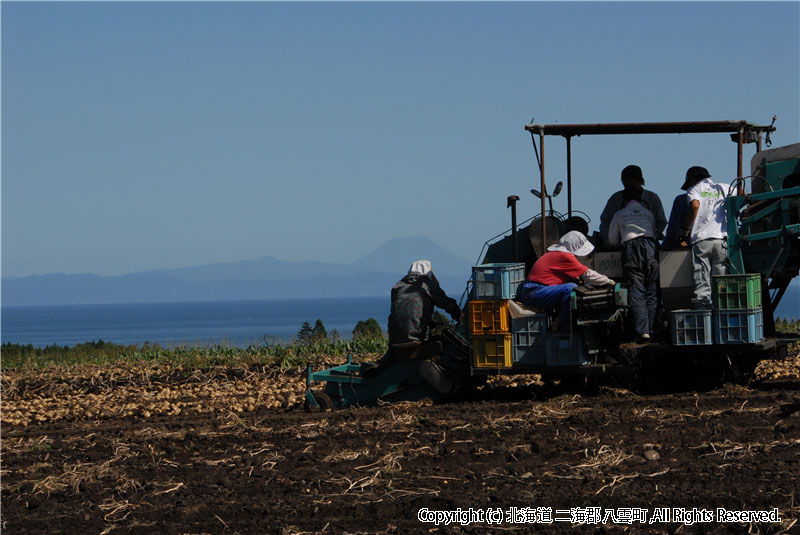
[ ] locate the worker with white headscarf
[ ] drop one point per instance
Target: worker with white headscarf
(553, 276)
(414, 298)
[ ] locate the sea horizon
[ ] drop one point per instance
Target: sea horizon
(232, 323)
(238, 323)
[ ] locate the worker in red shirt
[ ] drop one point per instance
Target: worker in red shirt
(557, 273)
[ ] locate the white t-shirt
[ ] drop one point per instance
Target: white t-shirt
(710, 221)
(632, 221)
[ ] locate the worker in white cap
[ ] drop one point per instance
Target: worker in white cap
(553, 276)
(706, 229)
(414, 298)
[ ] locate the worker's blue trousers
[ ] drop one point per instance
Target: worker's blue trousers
(548, 298)
(640, 268)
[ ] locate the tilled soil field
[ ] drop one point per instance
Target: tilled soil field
(153, 449)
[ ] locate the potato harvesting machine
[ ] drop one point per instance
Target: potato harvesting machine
(499, 336)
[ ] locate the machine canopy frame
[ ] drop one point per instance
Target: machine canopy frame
(742, 132)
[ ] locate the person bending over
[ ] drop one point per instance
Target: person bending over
(557, 273)
(414, 298)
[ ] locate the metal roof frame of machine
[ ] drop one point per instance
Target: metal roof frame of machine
(742, 132)
(752, 209)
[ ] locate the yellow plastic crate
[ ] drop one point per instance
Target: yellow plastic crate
(492, 351)
(488, 317)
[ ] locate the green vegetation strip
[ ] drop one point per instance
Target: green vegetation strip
(309, 350)
(15, 356)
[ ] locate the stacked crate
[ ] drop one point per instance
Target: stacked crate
(528, 339)
(497, 281)
(565, 349)
(691, 327)
(737, 316)
(490, 332)
(489, 319)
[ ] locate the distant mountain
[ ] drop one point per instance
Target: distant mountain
(394, 256)
(399, 252)
(264, 268)
(60, 289)
(266, 278)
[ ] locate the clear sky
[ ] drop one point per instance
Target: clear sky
(156, 135)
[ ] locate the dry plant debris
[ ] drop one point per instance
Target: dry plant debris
(156, 449)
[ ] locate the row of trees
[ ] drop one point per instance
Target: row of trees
(364, 330)
(786, 326)
(317, 333)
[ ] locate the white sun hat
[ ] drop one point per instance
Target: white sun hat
(573, 242)
(421, 267)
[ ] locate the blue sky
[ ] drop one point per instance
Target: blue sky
(156, 135)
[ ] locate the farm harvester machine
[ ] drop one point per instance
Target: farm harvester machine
(499, 336)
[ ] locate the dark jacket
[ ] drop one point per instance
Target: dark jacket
(614, 204)
(676, 219)
(413, 300)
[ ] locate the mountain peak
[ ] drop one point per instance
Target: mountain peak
(266, 278)
(397, 254)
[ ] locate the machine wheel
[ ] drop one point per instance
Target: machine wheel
(434, 376)
(743, 367)
(580, 384)
(324, 400)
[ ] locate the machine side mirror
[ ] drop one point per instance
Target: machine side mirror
(558, 188)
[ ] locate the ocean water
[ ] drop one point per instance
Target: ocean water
(232, 323)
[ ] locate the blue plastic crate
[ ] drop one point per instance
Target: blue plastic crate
(744, 326)
(565, 349)
(528, 336)
(497, 281)
(691, 327)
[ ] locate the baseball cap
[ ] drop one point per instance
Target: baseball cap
(693, 174)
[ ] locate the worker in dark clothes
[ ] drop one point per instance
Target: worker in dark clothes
(633, 227)
(414, 298)
(632, 177)
(677, 216)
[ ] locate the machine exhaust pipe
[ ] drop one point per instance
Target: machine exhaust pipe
(512, 203)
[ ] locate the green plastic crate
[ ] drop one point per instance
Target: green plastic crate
(736, 292)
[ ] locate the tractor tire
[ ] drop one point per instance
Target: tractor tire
(435, 377)
(583, 384)
(324, 400)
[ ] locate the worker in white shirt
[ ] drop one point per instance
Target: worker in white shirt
(633, 226)
(632, 177)
(706, 230)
